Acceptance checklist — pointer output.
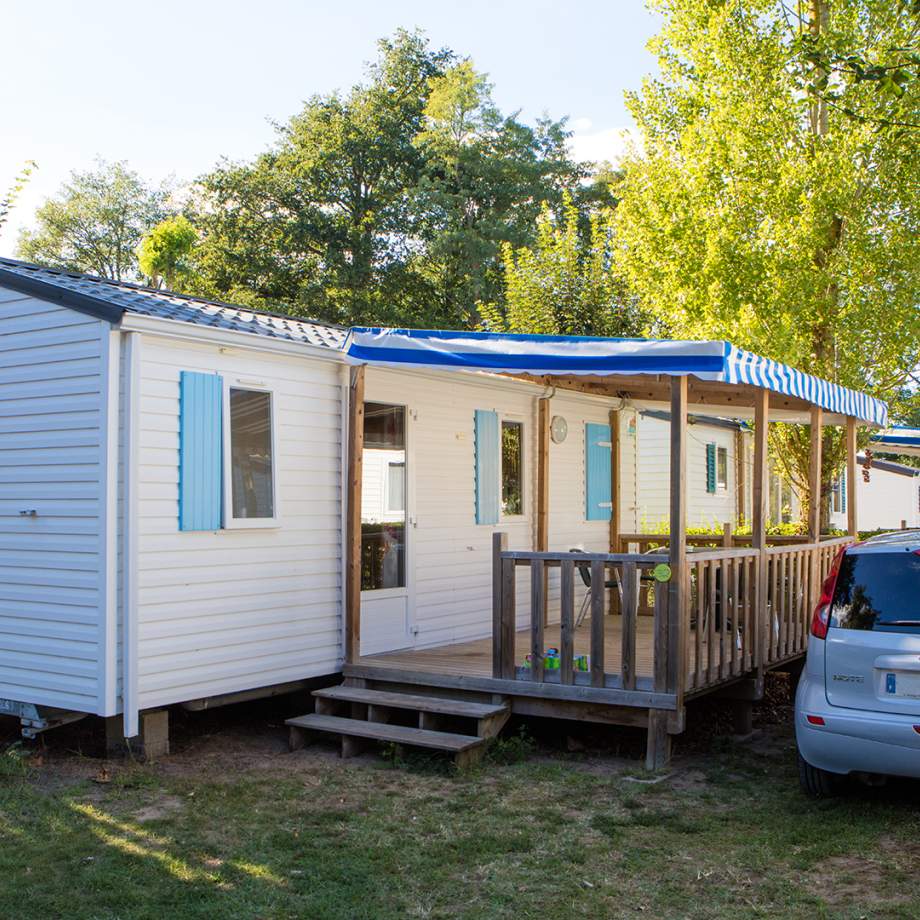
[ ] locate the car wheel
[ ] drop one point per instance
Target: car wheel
(818, 783)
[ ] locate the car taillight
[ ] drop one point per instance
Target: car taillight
(822, 615)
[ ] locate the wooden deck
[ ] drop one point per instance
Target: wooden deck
(474, 658)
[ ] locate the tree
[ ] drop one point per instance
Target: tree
(8, 201)
(166, 251)
(564, 283)
(386, 204)
(320, 223)
(486, 178)
(96, 223)
(774, 201)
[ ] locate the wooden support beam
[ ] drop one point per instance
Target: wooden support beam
(499, 545)
(814, 476)
(678, 586)
(759, 524)
(614, 535)
(740, 467)
(353, 515)
(614, 541)
(851, 477)
(541, 537)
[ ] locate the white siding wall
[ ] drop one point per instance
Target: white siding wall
(449, 554)
(704, 508)
(53, 372)
(237, 609)
(883, 502)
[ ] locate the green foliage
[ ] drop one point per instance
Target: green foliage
(96, 223)
(8, 201)
(511, 749)
(386, 204)
(761, 211)
(166, 252)
(563, 284)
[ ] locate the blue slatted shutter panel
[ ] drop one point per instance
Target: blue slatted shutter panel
(597, 472)
(710, 467)
(486, 453)
(843, 491)
(200, 450)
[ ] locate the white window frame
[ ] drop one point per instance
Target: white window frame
(230, 522)
(518, 420)
(721, 451)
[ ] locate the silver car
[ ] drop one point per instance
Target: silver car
(857, 708)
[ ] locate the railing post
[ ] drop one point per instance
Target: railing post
(499, 544)
(536, 619)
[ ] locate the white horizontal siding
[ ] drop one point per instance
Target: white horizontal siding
(237, 609)
(704, 508)
(884, 501)
(52, 459)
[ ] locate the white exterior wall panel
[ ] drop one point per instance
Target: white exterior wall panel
(54, 606)
(230, 610)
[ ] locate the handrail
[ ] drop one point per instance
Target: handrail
(745, 609)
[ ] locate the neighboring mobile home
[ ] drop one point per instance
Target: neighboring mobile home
(888, 495)
(173, 472)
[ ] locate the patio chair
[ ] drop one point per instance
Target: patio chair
(584, 569)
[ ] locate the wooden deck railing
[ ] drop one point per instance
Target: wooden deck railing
(730, 626)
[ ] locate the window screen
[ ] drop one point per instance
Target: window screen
(252, 485)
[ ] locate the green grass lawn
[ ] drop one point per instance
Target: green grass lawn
(232, 826)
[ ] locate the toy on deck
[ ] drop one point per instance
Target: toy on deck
(552, 661)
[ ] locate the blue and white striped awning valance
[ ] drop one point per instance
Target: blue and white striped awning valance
(561, 355)
(897, 440)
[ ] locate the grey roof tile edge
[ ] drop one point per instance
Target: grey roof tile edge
(110, 299)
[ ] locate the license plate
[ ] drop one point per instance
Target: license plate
(903, 685)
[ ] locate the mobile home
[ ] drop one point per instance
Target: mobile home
(200, 500)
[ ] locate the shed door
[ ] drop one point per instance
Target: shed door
(386, 523)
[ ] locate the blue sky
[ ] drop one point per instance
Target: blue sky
(173, 86)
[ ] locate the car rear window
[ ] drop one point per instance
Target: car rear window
(878, 591)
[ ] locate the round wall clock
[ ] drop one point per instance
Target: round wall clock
(558, 429)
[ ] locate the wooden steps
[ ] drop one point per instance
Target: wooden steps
(359, 714)
(436, 704)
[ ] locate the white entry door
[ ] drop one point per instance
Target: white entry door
(386, 528)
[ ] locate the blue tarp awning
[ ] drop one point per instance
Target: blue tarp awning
(563, 355)
(897, 440)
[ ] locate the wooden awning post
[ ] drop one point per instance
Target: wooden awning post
(614, 537)
(541, 537)
(814, 476)
(760, 490)
(672, 677)
(852, 527)
(355, 460)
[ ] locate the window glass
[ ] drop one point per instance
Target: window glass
(878, 591)
(383, 498)
(396, 487)
(251, 471)
(512, 468)
(722, 467)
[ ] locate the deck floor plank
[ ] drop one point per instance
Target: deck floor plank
(474, 658)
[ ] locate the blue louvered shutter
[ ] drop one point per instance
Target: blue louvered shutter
(843, 491)
(486, 454)
(200, 450)
(710, 467)
(597, 472)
